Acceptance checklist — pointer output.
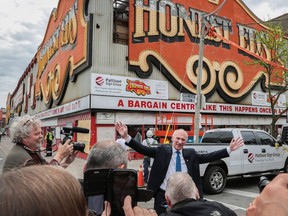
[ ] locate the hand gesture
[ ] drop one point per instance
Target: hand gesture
(122, 130)
(236, 143)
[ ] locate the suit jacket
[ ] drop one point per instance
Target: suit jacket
(162, 156)
(192, 207)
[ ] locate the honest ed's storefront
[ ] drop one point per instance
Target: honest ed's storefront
(137, 62)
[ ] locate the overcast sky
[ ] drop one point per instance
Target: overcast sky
(23, 24)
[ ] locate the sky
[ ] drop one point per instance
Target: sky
(23, 24)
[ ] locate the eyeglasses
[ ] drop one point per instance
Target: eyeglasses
(26, 122)
(29, 120)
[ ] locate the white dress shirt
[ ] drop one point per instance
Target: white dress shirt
(172, 167)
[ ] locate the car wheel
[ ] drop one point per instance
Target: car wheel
(214, 180)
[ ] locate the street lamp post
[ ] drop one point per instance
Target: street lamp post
(199, 81)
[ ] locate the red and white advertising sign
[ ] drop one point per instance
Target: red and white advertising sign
(134, 104)
(262, 99)
(128, 87)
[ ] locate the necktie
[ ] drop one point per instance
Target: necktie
(178, 162)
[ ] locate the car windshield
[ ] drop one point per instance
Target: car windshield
(217, 137)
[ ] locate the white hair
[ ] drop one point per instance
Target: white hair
(22, 126)
(180, 186)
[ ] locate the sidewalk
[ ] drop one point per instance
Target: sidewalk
(76, 168)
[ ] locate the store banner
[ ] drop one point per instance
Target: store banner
(262, 99)
(102, 84)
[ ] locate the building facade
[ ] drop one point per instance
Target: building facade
(136, 61)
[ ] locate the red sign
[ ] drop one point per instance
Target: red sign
(166, 34)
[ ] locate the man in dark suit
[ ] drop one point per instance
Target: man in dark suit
(167, 159)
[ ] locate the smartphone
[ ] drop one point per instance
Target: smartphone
(96, 182)
(123, 182)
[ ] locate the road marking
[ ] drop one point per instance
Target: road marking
(229, 205)
(241, 193)
(232, 207)
(238, 193)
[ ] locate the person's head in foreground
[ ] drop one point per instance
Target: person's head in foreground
(180, 186)
(41, 190)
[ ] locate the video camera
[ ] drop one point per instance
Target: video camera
(68, 132)
(115, 185)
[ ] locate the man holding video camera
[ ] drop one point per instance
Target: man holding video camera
(27, 135)
(169, 159)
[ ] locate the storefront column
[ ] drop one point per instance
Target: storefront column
(93, 134)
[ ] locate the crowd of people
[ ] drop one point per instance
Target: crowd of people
(30, 185)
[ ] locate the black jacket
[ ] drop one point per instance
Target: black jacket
(203, 207)
(162, 156)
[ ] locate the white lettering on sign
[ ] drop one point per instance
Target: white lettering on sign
(73, 106)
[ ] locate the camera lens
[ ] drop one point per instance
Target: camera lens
(79, 146)
(262, 183)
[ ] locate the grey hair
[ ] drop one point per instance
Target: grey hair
(107, 155)
(180, 186)
(22, 126)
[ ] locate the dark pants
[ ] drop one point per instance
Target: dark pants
(146, 164)
(160, 202)
(49, 148)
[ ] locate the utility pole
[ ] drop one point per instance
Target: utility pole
(199, 81)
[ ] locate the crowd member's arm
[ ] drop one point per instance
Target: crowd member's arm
(272, 200)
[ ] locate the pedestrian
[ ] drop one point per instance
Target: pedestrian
(169, 159)
(149, 141)
(41, 190)
(26, 133)
(49, 142)
(182, 197)
(0, 136)
(272, 200)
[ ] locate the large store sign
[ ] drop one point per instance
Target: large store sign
(64, 51)
(128, 87)
(165, 33)
(134, 104)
